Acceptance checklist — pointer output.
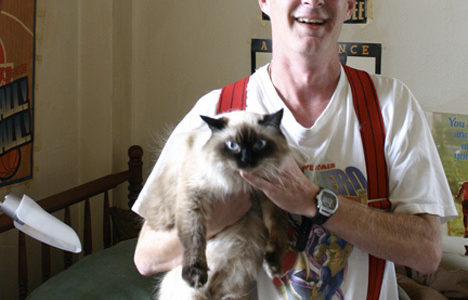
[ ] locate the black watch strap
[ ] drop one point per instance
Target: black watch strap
(303, 231)
(319, 219)
(302, 234)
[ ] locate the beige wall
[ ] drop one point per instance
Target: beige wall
(424, 45)
(181, 50)
(111, 73)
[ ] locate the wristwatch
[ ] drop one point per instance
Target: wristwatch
(327, 205)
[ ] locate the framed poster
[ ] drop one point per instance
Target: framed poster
(360, 15)
(17, 51)
(364, 56)
(260, 53)
(361, 12)
(450, 132)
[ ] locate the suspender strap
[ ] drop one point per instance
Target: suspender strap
(367, 108)
(233, 96)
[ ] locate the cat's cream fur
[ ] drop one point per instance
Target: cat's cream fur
(197, 177)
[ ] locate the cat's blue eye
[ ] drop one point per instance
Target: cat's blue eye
(233, 146)
(260, 144)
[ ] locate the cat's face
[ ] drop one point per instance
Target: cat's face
(246, 140)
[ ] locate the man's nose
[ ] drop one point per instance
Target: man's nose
(313, 2)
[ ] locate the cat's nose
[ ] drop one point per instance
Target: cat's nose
(247, 160)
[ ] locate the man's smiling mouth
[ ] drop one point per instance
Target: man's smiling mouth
(310, 21)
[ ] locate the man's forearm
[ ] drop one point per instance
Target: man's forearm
(411, 240)
(157, 251)
(160, 251)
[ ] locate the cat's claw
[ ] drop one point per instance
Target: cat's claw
(195, 275)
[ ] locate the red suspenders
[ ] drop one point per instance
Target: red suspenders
(233, 96)
(367, 108)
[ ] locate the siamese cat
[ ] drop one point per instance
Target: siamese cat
(203, 171)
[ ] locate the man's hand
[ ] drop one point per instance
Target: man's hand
(292, 191)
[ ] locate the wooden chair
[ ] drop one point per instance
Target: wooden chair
(85, 192)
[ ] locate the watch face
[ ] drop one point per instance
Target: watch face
(328, 200)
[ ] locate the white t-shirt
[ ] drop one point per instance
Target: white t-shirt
(417, 184)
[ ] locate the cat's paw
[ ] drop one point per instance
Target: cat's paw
(272, 264)
(195, 275)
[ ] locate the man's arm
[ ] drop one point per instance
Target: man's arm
(161, 251)
(411, 240)
(157, 251)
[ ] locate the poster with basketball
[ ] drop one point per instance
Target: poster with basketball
(17, 41)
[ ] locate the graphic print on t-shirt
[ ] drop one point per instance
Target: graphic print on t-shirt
(319, 271)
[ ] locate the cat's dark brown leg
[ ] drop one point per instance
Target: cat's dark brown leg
(191, 228)
(276, 222)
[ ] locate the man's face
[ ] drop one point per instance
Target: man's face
(307, 26)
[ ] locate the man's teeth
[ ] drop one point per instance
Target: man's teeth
(310, 21)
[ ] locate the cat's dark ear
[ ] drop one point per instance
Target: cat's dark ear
(273, 119)
(213, 123)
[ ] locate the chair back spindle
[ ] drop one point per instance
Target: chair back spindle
(67, 256)
(106, 224)
(135, 179)
(88, 234)
(45, 261)
(22, 267)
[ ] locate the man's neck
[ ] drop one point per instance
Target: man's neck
(305, 85)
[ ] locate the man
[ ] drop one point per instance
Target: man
(306, 79)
